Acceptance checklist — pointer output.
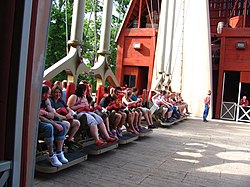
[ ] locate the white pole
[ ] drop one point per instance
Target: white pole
(106, 27)
(77, 21)
(159, 60)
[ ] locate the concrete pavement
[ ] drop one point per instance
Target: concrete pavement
(191, 153)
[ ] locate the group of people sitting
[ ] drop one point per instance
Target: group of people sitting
(171, 105)
(116, 109)
(124, 106)
(58, 119)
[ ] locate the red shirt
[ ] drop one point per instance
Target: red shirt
(207, 100)
(244, 102)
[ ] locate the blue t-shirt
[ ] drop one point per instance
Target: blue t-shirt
(60, 103)
(134, 98)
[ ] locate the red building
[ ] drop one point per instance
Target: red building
(230, 48)
(136, 44)
(230, 40)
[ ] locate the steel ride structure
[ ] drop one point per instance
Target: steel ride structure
(221, 63)
(73, 63)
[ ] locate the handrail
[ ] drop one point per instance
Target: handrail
(228, 108)
(5, 166)
(244, 113)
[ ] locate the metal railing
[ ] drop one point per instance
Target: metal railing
(243, 113)
(5, 167)
(233, 111)
(228, 111)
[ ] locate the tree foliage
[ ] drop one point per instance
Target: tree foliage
(62, 11)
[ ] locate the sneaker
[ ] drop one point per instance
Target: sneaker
(54, 161)
(171, 120)
(112, 140)
(114, 134)
(205, 120)
(188, 113)
(100, 143)
(165, 120)
(119, 132)
(61, 158)
(152, 127)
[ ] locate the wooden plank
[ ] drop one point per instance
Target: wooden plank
(239, 32)
(140, 32)
(245, 77)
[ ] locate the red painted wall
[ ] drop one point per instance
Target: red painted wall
(233, 59)
(128, 56)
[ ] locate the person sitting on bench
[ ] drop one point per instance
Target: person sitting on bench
(116, 117)
(135, 122)
(182, 103)
(146, 112)
(79, 103)
(171, 107)
(101, 112)
(166, 110)
(65, 114)
(51, 129)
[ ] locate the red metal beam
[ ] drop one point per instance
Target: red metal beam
(139, 19)
(245, 13)
(233, 8)
(149, 13)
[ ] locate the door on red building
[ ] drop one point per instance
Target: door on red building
(243, 111)
(230, 94)
(129, 80)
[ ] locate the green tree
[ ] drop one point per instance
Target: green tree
(56, 48)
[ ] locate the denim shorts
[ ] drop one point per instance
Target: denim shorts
(49, 132)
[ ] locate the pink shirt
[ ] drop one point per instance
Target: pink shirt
(207, 100)
(81, 101)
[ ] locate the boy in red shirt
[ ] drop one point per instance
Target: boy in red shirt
(207, 106)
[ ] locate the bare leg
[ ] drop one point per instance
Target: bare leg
(186, 106)
(94, 132)
(106, 122)
(146, 117)
(75, 126)
(139, 121)
(136, 121)
(118, 118)
(103, 130)
(50, 148)
(130, 122)
(124, 116)
(164, 112)
(150, 117)
(170, 114)
(67, 126)
(59, 146)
